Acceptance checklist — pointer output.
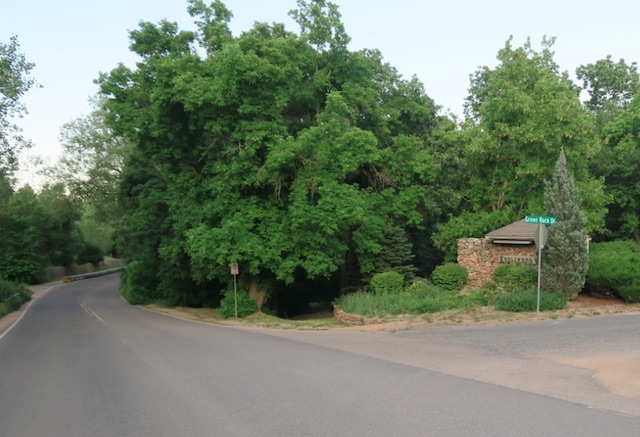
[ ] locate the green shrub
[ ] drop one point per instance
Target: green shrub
(246, 305)
(387, 283)
(89, 253)
(138, 283)
(630, 292)
(450, 276)
(512, 276)
(525, 300)
(12, 296)
(425, 298)
(423, 289)
(614, 267)
(436, 305)
(23, 270)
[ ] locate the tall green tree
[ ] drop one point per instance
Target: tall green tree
(519, 115)
(619, 165)
(15, 81)
(285, 153)
(91, 168)
(566, 254)
(610, 86)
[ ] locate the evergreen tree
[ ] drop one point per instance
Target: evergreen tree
(566, 259)
(396, 254)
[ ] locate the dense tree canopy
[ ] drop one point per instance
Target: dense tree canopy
(520, 114)
(294, 156)
(310, 165)
(285, 153)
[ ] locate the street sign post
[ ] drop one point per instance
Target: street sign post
(234, 272)
(540, 220)
(540, 239)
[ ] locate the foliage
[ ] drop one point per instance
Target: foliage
(90, 169)
(387, 283)
(89, 253)
(304, 161)
(246, 305)
(614, 267)
(515, 276)
(396, 254)
(36, 230)
(610, 85)
(138, 283)
(619, 164)
(467, 225)
(12, 296)
(285, 153)
(519, 116)
(15, 81)
(373, 305)
(526, 300)
(450, 276)
(422, 288)
(419, 298)
(565, 259)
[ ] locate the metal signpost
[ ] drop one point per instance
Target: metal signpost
(234, 272)
(540, 239)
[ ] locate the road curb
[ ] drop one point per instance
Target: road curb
(19, 313)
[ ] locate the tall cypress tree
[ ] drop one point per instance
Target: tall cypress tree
(566, 259)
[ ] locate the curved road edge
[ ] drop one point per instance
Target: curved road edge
(10, 320)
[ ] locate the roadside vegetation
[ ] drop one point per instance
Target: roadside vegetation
(324, 175)
(12, 296)
(513, 289)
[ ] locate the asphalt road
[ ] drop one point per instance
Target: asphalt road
(81, 362)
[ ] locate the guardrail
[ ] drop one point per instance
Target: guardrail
(72, 278)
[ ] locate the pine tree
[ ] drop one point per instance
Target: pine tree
(396, 254)
(565, 259)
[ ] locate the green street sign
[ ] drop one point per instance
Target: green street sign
(540, 220)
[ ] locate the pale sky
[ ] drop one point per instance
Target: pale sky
(441, 42)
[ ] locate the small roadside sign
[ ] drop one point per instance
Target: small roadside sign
(540, 220)
(234, 269)
(541, 240)
(541, 236)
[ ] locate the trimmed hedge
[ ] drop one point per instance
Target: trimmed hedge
(450, 276)
(246, 305)
(614, 267)
(387, 283)
(512, 276)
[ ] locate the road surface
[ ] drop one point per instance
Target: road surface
(82, 362)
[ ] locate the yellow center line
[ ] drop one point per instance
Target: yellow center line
(91, 313)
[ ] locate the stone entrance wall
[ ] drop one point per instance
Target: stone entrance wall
(481, 257)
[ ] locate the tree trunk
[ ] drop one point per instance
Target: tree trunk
(256, 294)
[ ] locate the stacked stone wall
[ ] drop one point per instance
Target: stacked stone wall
(481, 257)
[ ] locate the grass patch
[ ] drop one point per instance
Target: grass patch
(525, 300)
(213, 316)
(422, 299)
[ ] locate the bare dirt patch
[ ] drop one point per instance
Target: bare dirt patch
(620, 374)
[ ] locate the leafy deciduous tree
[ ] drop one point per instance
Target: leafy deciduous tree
(15, 81)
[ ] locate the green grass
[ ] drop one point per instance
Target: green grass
(526, 301)
(421, 300)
